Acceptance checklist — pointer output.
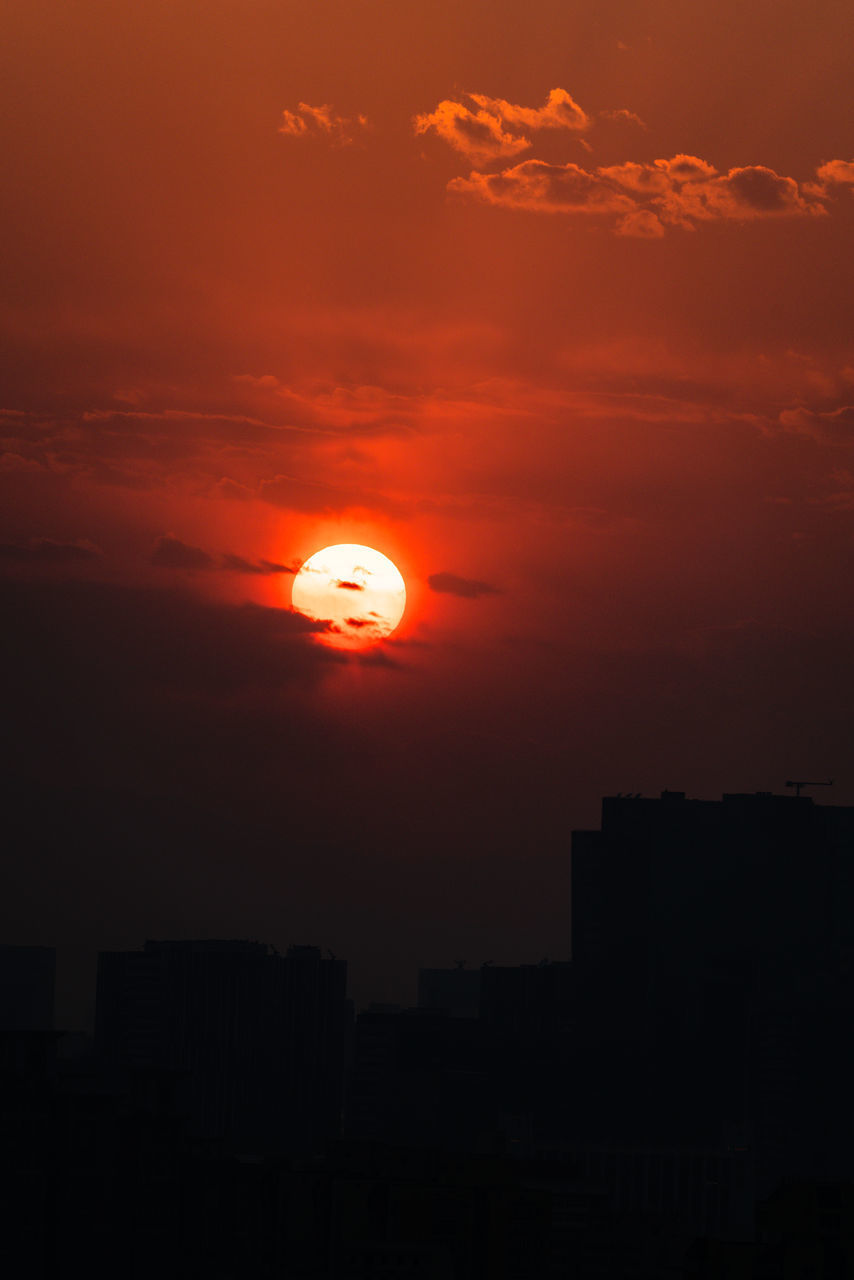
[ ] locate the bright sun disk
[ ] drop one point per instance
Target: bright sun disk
(356, 591)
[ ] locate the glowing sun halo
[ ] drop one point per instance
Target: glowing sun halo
(355, 590)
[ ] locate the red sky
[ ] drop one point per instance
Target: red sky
(555, 299)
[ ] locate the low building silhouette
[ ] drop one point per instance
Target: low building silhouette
(453, 991)
(27, 981)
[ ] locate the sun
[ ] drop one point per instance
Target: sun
(356, 591)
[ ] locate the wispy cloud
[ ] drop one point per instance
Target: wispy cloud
(452, 584)
(321, 122)
(49, 551)
(170, 552)
(831, 426)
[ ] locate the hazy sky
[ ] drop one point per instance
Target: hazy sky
(552, 303)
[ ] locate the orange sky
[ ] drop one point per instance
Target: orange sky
(553, 298)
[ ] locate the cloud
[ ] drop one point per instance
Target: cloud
(171, 553)
(476, 134)
(622, 114)
(544, 188)
(234, 492)
(237, 564)
(321, 122)
(750, 192)
(681, 191)
(560, 111)
(642, 223)
(295, 494)
(836, 173)
(349, 586)
(17, 462)
(467, 588)
(498, 129)
(48, 551)
(833, 426)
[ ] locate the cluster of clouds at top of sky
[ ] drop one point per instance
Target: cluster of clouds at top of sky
(643, 199)
(497, 129)
(321, 122)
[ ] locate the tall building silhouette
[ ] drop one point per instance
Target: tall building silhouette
(712, 943)
(765, 874)
(255, 1041)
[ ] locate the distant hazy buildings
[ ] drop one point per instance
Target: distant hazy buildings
(454, 991)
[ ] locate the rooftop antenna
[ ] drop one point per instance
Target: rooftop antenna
(799, 785)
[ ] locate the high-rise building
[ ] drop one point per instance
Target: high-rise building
(256, 1039)
(712, 943)
(764, 874)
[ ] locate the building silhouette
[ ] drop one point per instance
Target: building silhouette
(712, 943)
(27, 979)
(454, 991)
(254, 1041)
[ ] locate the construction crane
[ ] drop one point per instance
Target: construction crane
(799, 785)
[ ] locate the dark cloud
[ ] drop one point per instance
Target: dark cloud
(238, 564)
(467, 588)
(270, 566)
(48, 551)
(349, 586)
(171, 553)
